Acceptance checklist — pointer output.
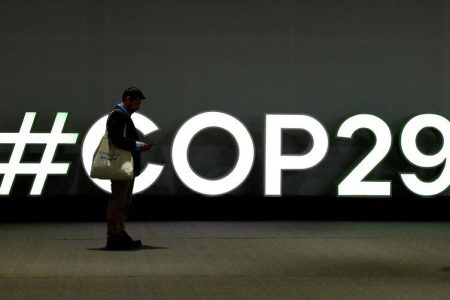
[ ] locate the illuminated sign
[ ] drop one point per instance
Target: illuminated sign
(354, 183)
(45, 167)
(242, 167)
(276, 163)
(414, 156)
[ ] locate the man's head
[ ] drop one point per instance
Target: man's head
(132, 98)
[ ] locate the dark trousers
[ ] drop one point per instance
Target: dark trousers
(118, 204)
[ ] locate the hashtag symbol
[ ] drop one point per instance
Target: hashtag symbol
(45, 167)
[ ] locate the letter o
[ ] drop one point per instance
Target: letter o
(183, 138)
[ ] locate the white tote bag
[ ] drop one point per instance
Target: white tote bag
(110, 162)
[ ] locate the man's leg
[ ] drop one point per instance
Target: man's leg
(128, 200)
(117, 204)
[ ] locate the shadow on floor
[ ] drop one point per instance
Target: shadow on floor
(143, 247)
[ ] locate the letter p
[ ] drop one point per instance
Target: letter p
(276, 162)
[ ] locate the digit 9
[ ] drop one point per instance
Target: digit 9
(408, 142)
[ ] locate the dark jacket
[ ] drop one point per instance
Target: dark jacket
(115, 126)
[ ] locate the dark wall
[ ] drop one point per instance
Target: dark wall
(328, 59)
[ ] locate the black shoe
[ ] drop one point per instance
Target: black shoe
(122, 243)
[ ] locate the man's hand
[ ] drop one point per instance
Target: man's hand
(146, 146)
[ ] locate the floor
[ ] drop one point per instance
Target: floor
(228, 260)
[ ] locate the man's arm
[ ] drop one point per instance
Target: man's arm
(115, 126)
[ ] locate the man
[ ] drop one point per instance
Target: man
(123, 134)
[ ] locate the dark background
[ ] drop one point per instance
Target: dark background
(327, 59)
